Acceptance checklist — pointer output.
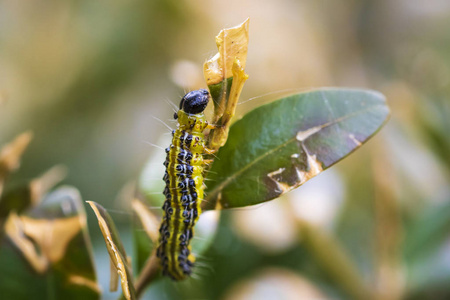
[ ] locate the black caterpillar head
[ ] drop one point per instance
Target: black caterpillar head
(195, 102)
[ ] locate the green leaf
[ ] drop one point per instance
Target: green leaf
(279, 146)
(45, 252)
(117, 254)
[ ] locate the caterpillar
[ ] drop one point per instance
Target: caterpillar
(184, 186)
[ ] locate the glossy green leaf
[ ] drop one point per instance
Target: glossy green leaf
(281, 145)
(116, 250)
(45, 252)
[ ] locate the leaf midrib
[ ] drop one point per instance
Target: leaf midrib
(268, 153)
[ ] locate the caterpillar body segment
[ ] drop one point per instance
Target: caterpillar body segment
(184, 186)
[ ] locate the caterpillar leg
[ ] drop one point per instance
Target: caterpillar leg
(208, 161)
(210, 151)
(213, 126)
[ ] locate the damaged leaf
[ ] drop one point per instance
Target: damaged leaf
(117, 254)
(48, 249)
(279, 146)
(232, 43)
(225, 77)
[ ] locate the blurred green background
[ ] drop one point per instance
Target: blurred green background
(87, 76)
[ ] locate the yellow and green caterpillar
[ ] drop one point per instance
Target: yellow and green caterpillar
(184, 186)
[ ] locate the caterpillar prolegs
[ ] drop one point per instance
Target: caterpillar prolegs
(184, 186)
